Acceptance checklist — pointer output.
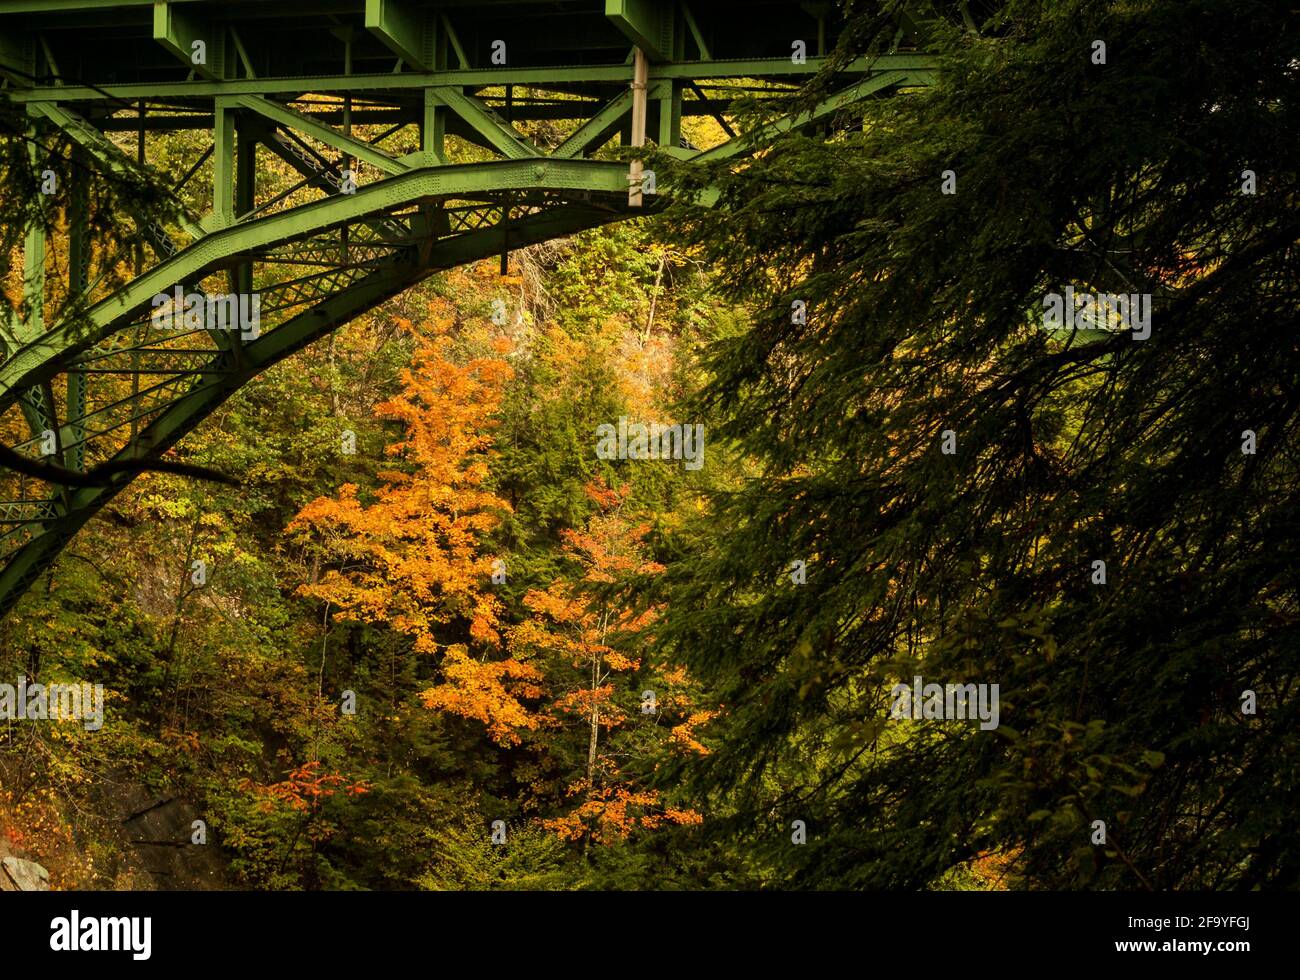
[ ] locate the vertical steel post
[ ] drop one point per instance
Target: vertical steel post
(223, 163)
(34, 258)
(640, 80)
(74, 455)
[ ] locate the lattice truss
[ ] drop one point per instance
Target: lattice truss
(93, 371)
(97, 407)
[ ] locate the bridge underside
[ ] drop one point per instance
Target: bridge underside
(377, 105)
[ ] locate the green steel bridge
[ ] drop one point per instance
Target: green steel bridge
(366, 100)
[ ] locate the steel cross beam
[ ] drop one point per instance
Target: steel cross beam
(386, 110)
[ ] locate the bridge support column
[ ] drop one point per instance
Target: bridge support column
(245, 185)
(640, 79)
(433, 130)
(223, 166)
(670, 114)
(33, 258)
(74, 453)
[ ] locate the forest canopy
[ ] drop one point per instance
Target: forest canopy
(987, 578)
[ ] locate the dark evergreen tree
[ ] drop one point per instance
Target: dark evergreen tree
(1172, 459)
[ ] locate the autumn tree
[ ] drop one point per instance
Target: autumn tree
(954, 473)
(589, 631)
(414, 557)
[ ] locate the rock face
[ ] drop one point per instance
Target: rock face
(159, 831)
(17, 875)
(152, 845)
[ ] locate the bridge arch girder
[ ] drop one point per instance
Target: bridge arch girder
(107, 384)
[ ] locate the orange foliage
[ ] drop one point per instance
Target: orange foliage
(594, 632)
(488, 691)
(304, 788)
(684, 734)
(612, 813)
(413, 557)
(993, 868)
(413, 554)
(608, 550)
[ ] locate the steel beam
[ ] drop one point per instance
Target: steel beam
(827, 107)
(223, 167)
(504, 137)
(135, 388)
(326, 134)
(41, 357)
(194, 41)
(596, 129)
(79, 246)
(773, 68)
(648, 24)
(405, 30)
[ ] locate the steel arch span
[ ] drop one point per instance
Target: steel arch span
(92, 375)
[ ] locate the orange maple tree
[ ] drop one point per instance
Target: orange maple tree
(413, 557)
(593, 630)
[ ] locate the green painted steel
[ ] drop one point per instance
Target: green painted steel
(104, 378)
(774, 68)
